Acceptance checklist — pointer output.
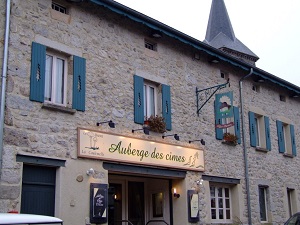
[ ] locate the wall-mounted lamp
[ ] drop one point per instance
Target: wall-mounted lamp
(145, 130)
(156, 34)
(260, 80)
(175, 136)
(175, 194)
(199, 182)
(110, 123)
(201, 141)
(90, 172)
(214, 60)
(295, 95)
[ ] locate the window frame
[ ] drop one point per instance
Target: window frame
(290, 195)
(259, 130)
(217, 207)
(286, 138)
(263, 198)
(147, 103)
(77, 93)
(55, 56)
(59, 8)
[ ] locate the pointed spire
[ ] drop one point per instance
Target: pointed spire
(218, 22)
(220, 34)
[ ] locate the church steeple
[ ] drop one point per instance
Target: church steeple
(220, 34)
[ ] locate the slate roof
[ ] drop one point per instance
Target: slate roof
(220, 34)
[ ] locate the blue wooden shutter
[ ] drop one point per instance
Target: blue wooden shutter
(218, 120)
(294, 152)
(138, 99)
(237, 128)
(166, 106)
(78, 101)
(280, 135)
(267, 133)
(252, 129)
(37, 75)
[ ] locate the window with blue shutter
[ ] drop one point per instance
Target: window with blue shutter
(286, 138)
(293, 141)
(218, 121)
(37, 75)
(252, 129)
(78, 101)
(267, 133)
(235, 129)
(259, 130)
(144, 100)
(138, 99)
(280, 135)
(49, 66)
(166, 106)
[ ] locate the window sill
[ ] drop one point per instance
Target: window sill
(288, 155)
(58, 108)
(229, 143)
(260, 149)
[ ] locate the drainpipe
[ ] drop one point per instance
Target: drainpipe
(3, 87)
(244, 146)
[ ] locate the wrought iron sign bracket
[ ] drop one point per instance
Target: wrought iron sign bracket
(204, 95)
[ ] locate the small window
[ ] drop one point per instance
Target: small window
(151, 46)
(220, 203)
(224, 75)
(282, 98)
(291, 201)
(59, 8)
(56, 78)
(263, 203)
(256, 88)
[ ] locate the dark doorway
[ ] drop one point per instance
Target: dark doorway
(38, 190)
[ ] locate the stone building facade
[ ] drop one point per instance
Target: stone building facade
(59, 151)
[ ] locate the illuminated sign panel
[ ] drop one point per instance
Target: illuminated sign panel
(112, 147)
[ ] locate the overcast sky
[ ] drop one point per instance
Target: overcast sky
(269, 28)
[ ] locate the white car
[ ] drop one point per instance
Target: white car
(28, 219)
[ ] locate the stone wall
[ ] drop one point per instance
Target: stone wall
(114, 50)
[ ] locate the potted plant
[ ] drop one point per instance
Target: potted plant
(229, 138)
(156, 124)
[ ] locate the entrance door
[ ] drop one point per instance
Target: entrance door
(136, 201)
(38, 190)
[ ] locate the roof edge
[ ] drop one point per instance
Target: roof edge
(184, 38)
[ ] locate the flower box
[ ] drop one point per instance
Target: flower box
(156, 124)
(230, 139)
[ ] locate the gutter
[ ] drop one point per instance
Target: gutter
(186, 39)
(4, 75)
(244, 145)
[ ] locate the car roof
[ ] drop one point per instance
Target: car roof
(11, 218)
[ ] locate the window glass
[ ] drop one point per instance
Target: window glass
(150, 93)
(59, 81)
(220, 203)
(55, 79)
(257, 131)
(48, 77)
(263, 203)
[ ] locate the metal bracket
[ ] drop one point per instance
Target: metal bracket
(204, 95)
